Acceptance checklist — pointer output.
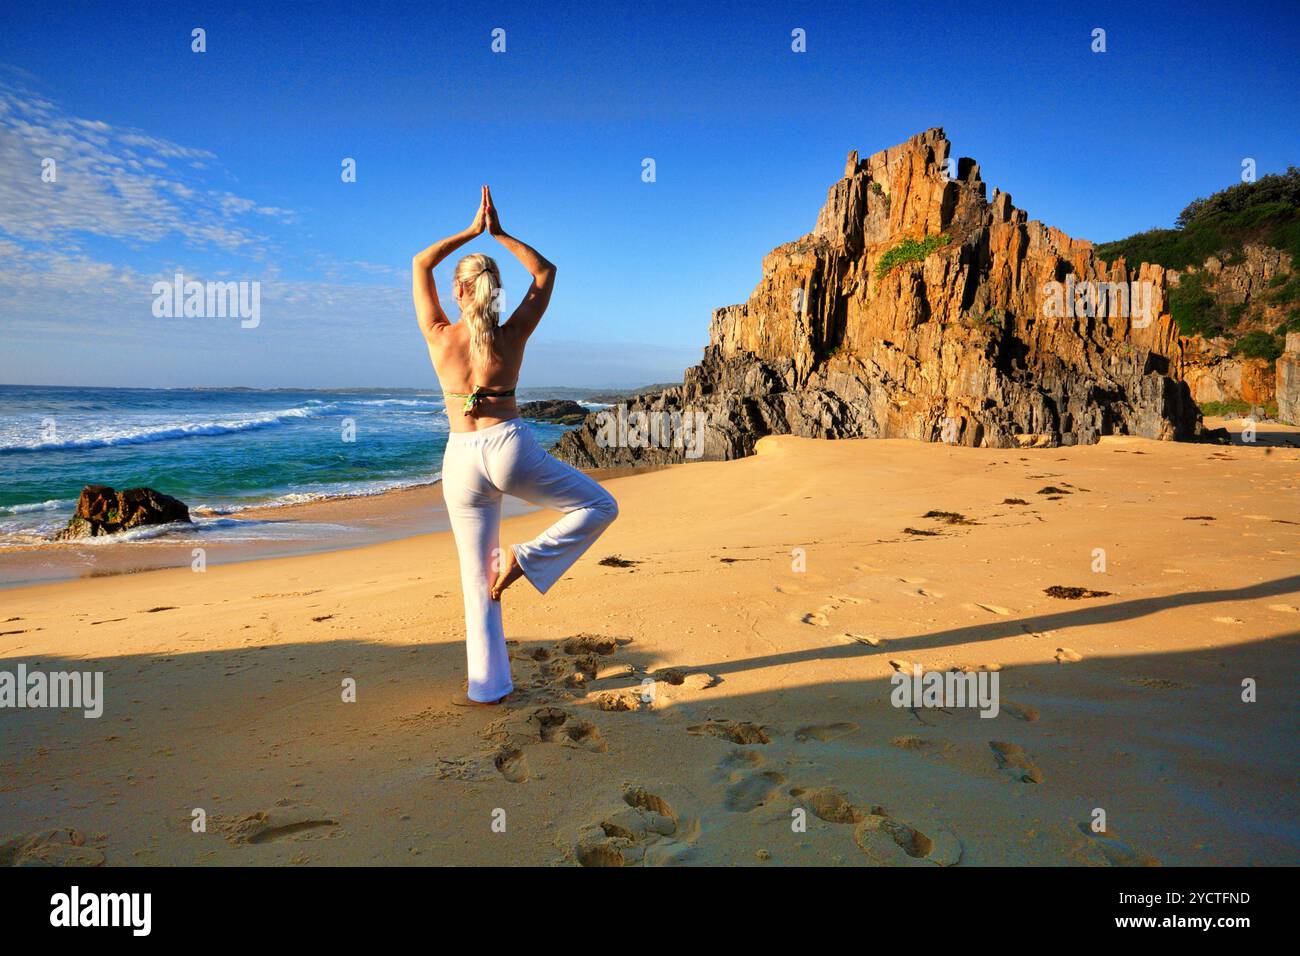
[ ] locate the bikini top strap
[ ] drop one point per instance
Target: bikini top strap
(478, 394)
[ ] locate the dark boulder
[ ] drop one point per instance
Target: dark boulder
(560, 411)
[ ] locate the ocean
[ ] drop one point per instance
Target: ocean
(218, 450)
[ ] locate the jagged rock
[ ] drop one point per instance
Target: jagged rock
(1214, 374)
(102, 510)
(1244, 280)
(1288, 381)
(1210, 369)
(955, 345)
(559, 410)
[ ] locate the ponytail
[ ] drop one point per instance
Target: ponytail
(480, 282)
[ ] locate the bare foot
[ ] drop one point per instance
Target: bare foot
(511, 573)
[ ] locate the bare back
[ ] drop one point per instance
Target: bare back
(449, 350)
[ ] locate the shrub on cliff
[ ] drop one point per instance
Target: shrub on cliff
(909, 250)
(1258, 344)
(1194, 309)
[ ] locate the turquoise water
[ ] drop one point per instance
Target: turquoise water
(218, 450)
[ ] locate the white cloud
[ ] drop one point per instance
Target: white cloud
(109, 182)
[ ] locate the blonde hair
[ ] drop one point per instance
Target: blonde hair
(479, 280)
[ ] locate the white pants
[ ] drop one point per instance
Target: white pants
(477, 468)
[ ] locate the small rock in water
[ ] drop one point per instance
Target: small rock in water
(101, 510)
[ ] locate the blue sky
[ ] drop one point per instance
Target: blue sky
(226, 164)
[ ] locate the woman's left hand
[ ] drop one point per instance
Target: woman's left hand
(480, 222)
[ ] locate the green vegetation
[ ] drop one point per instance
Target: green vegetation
(1232, 409)
(1286, 291)
(1266, 211)
(1237, 408)
(909, 250)
(1259, 344)
(1194, 309)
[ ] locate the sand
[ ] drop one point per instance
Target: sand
(694, 706)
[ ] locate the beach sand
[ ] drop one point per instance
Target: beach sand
(769, 602)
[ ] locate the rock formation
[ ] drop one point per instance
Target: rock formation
(101, 510)
(1288, 381)
(561, 411)
(916, 309)
(1210, 368)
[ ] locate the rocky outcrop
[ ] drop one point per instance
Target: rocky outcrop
(1211, 369)
(1288, 381)
(1248, 278)
(919, 308)
(1214, 374)
(101, 510)
(560, 411)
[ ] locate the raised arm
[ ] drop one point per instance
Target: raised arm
(428, 310)
(530, 311)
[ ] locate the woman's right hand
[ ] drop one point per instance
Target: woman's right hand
(480, 218)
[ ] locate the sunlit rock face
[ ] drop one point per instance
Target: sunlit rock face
(989, 329)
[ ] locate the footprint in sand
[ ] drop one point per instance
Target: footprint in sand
(510, 761)
(1284, 608)
(1020, 711)
(553, 725)
(816, 618)
(990, 609)
(886, 841)
(640, 832)
(618, 702)
(679, 677)
(882, 838)
(830, 805)
(1015, 762)
(1066, 656)
(824, 732)
(1114, 850)
(594, 644)
(1228, 620)
(64, 846)
(737, 732)
(752, 790)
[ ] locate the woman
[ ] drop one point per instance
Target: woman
(490, 451)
